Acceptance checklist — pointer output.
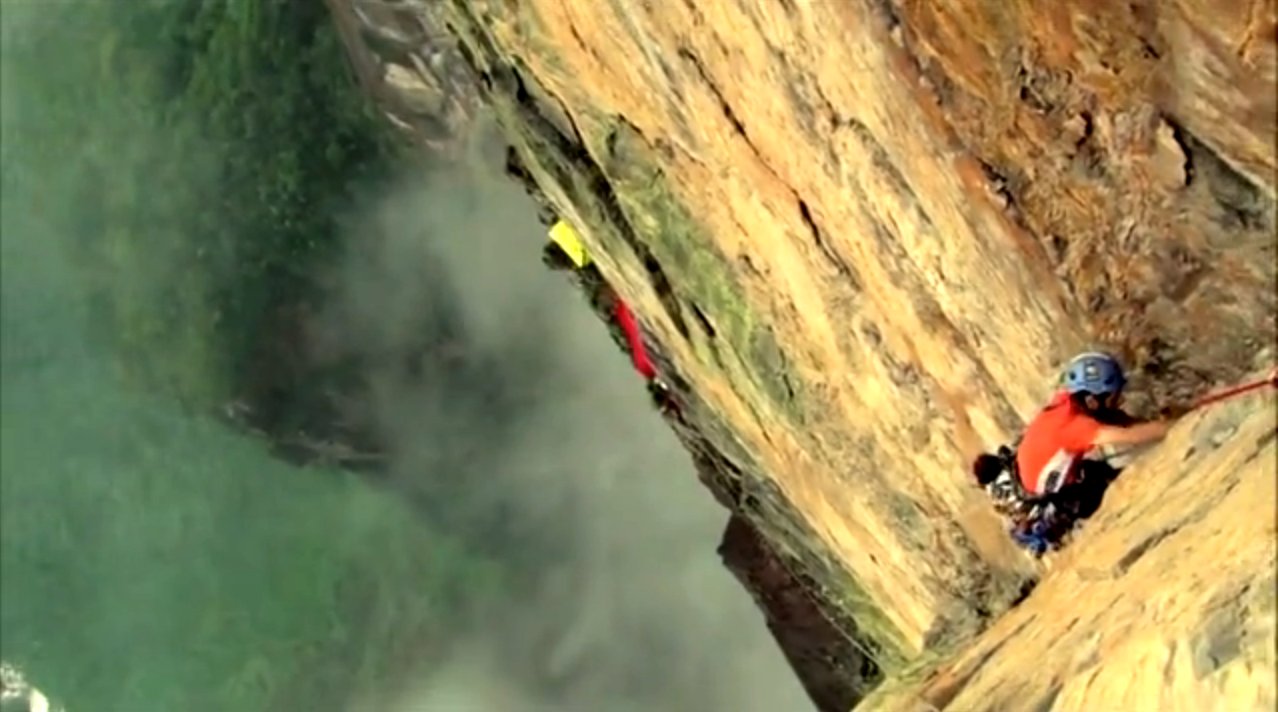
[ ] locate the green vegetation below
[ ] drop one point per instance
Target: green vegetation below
(208, 150)
(153, 562)
(175, 174)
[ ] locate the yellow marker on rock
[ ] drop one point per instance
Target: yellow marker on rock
(563, 235)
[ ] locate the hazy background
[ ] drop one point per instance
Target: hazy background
(573, 475)
(176, 175)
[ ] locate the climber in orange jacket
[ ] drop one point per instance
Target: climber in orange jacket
(1049, 482)
(1084, 415)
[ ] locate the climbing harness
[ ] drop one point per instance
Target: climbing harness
(1032, 521)
(1035, 533)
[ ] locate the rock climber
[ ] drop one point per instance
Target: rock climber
(1046, 481)
(660, 393)
(1049, 482)
(565, 250)
(1052, 462)
(1085, 414)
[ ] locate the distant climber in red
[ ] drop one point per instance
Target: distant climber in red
(638, 353)
(566, 251)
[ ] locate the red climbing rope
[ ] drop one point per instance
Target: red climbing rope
(638, 353)
(1271, 380)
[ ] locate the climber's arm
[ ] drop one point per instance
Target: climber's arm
(1085, 432)
(1136, 434)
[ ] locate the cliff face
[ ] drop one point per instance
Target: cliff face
(1166, 601)
(866, 234)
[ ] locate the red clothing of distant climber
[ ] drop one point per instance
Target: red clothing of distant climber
(638, 354)
(1053, 445)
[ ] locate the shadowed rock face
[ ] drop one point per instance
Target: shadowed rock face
(865, 235)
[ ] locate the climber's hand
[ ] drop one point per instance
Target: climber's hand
(1273, 377)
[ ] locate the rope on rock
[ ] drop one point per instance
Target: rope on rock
(1271, 380)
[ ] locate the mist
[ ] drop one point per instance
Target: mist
(536, 538)
(561, 466)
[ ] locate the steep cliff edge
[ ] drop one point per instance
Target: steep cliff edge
(1165, 602)
(864, 236)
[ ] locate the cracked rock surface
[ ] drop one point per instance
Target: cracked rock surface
(864, 236)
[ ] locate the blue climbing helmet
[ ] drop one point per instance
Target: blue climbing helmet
(1093, 372)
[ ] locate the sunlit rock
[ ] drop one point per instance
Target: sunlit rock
(864, 236)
